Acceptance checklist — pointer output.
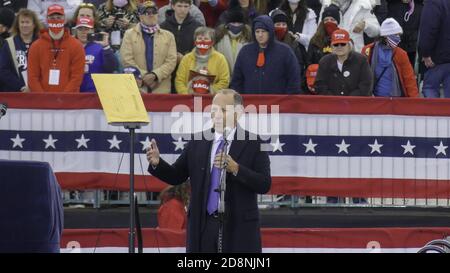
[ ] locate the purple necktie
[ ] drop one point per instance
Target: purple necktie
(213, 197)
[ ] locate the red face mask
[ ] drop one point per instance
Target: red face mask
(203, 46)
(55, 25)
(280, 32)
(330, 27)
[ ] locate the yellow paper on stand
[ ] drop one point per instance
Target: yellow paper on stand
(120, 98)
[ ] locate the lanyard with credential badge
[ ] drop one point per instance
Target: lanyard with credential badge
(55, 51)
(54, 73)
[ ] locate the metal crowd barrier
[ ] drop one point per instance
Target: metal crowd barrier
(99, 198)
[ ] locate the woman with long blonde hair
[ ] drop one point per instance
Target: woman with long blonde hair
(14, 53)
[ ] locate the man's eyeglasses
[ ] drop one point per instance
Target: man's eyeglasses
(339, 45)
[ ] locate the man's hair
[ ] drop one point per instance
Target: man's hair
(173, 2)
(236, 96)
(205, 31)
(30, 14)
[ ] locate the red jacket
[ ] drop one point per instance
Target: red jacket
(212, 14)
(404, 69)
(70, 61)
(172, 215)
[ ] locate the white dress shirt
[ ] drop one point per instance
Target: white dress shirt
(215, 145)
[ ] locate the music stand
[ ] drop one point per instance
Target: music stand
(123, 106)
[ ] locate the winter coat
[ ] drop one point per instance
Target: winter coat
(184, 32)
(224, 45)
(404, 69)
(12, 71)
(358, 11)
(280, 73)
(217, 66)
(98, 60)
(132, 53)
(172, 215)
(356, 78)
(397, 10)
(70, 60)
(306, 28)
(316, 53)
(299, 51)
(434, 39)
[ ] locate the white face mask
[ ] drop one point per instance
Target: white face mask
(120, 3)
(293, 1)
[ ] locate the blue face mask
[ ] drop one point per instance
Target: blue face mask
(235, 29)
(393, 40)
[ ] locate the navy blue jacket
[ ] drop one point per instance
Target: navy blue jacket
(434, 39)
(242, 226)
(280, 73)
(9, 78)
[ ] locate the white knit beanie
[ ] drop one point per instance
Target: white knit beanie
(390, 27)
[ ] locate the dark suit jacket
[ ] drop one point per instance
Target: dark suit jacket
(242, 228)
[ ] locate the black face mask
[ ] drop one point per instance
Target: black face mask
(235, 29)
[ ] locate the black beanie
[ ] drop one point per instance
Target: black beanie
(234, 16)
(332, 11)
(7, 17)
(278, 15)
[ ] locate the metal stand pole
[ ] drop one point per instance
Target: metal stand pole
(221, 210)
(132, 232)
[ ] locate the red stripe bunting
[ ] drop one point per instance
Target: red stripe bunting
(287, 103)
(271, 237)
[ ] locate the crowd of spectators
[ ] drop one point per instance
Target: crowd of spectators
(385, 48)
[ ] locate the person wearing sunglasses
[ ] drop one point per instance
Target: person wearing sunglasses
(151, 49)
(344, 72)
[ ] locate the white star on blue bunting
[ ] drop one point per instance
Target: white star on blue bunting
(17, 141)
(50, 142)
(114, 143)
